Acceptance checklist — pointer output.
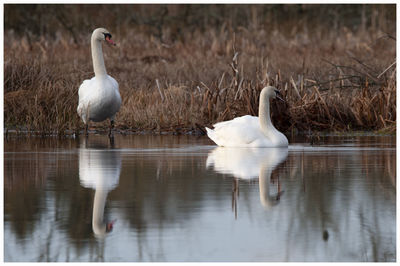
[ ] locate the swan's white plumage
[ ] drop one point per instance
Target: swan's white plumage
(250, 131)
(242, 131)
(99, 97)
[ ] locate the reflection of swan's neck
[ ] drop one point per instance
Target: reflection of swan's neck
(263, 182)
(97, 56)
(265, 120)
(98, 225)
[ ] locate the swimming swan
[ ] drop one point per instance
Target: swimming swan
(250, 131)
(99, 97)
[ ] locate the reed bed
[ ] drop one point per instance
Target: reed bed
(331, 80)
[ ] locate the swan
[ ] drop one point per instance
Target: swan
(249, 163)
(99, 97)
(250, 131)
(99, 169)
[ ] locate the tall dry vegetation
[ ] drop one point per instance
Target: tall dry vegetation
(183, 67)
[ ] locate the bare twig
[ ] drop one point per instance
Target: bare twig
(220, 82)
(355, 70)
(332, 80)
(295, 88)
(386, 69)
(359, 61)
(159, 90)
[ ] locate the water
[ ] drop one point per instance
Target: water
(170, 198)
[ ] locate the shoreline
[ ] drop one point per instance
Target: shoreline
(195, 133)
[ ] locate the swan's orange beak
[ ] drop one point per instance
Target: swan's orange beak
(108, 39)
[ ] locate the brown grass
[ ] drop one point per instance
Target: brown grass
(332, 79)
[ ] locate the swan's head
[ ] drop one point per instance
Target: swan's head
(271, 92)
(102, 34)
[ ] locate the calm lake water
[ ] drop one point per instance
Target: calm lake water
(170, 198)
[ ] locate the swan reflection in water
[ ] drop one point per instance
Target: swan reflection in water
(99, 169)
(250, 163)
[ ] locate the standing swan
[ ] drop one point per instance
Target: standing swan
(99, 97)
(250, 131)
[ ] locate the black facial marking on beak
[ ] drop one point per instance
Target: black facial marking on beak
(107, 35)
(279, 95)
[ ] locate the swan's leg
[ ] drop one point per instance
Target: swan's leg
(110, 133)
(87, 121)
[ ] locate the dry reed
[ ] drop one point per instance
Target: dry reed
(337, 80)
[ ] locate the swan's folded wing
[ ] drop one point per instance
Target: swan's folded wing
(116, 91)
(83, 93)
(85, 87)
(241, 131)
(239, 121)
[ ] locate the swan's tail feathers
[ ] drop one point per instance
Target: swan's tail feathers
(211, 134)
(81, 113)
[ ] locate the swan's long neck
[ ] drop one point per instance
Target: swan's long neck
(97, 56)
(98, 225)
(265, 120)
